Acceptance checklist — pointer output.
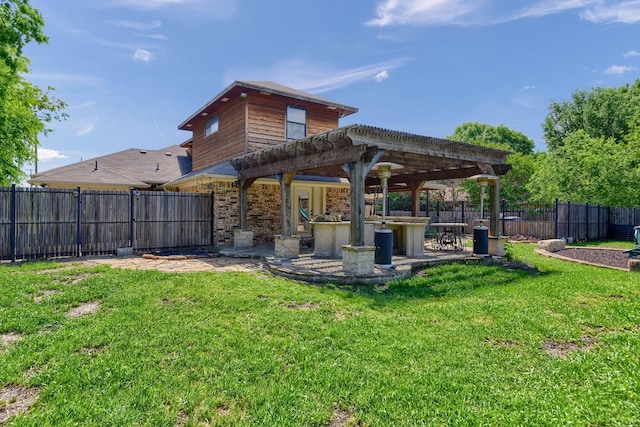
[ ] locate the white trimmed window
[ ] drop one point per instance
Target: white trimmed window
(211, 125)
(296, 122)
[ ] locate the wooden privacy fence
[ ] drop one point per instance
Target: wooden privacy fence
(580, 221)
(48, 222)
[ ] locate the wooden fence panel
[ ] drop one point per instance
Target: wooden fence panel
(182, 220)
(105, 221)
(46, 222)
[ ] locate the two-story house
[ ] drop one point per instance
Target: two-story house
(251, 116)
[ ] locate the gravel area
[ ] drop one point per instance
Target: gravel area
(605, 257)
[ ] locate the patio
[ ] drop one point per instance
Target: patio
(314, 269)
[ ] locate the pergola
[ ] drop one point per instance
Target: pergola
(353, 151)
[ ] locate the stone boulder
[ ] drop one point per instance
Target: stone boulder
(551, 245)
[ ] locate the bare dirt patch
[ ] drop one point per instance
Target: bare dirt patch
(9, 338)
(84, 309)
(45, 294)
(92, 351)
(341, 418)
(303, 306)
(16, 400)
(562, 349)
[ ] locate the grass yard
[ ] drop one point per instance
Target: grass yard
(457, 345)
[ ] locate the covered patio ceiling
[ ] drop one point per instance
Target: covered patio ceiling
(422, 158)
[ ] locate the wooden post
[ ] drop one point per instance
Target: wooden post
(285, 179)
(356, 179)
(494, 196)
(415, 187)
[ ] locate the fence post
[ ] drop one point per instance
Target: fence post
(504, 213)
(568, 220)
(462, 215)
(131, 218)
(557, 220)
(14, 224)
(438, 210)
(599, 224)
(79, 223)
(587, 222)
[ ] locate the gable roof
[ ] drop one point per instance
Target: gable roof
(132, 168)
(238, 87)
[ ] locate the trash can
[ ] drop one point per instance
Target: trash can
(480, 240)
(383, 240)
(636, 235)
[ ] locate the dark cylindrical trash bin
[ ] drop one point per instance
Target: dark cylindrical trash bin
(480, 240)
(384, 246)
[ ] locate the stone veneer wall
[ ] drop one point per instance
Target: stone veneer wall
(263, 217)
(339, 201)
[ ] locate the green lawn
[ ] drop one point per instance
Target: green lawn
(457, 345)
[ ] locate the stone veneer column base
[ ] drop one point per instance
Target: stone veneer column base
(243, 239)
(287, 246)
(358, 260)
(496, 246)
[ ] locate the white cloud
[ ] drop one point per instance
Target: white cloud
(153, 36)
(618, 69)
(488, 12)
(45, 154)
(626, 12)
(382, 75)
(313, 77)
(530, 87)
(423, 12)
(85, 130)
(142, 26)
(631, 53)
(142, 55)
(85, 105)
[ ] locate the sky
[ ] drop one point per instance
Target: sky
(132, 70)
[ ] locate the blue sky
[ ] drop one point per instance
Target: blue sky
(132, 70)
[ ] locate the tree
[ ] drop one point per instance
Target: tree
(592, 170)
(593, 145)
(493, 136)
(513, 184)
(25, 109)
(601, 112)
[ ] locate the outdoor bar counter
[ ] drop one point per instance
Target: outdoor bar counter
(408, 235)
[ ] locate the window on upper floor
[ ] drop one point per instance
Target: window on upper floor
(211, 125)
(296, 122)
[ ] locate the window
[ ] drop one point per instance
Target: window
(296, 122)
(211, 125)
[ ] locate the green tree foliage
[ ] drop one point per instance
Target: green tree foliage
(25, 109)
(590, 170)
(593, 149)
(513, 184)
(493, 136)
(601, 112)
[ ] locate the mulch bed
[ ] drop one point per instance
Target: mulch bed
(604, 257)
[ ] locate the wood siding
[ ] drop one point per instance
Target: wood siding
(223, 145)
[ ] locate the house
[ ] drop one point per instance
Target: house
(274, 157)
(248, 117)
(135, 168)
